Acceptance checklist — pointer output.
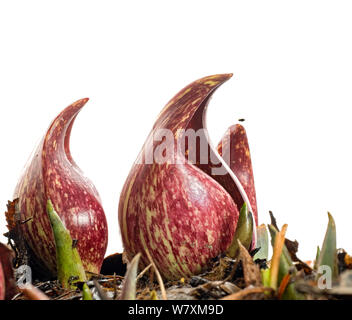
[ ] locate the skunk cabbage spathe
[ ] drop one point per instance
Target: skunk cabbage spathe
(181, 200)
(52, 174)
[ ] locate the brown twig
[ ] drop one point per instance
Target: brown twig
(275, 261)
(115, 287)
(143, 272)
(65, 294)
(33, 293)
(283, 285)
(158, 276)
(245, 292)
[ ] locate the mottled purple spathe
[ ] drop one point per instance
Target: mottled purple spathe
(234, 146)
(52, 174)
(184, 214)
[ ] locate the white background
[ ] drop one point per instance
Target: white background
(292, 65)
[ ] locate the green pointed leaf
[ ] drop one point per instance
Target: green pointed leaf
(328, 253)
(262, 243)
(69, 264)
(315, 267)
(129, 286)
(286, 266)
(86, 293)
(153, 295)
(244, 232)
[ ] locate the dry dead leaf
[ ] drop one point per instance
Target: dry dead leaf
(292, 248)
(251, 270)
(348, 261)
(10, 214)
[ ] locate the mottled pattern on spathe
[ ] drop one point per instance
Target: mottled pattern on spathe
(52, 174)
(181, 213)
(234, 146)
